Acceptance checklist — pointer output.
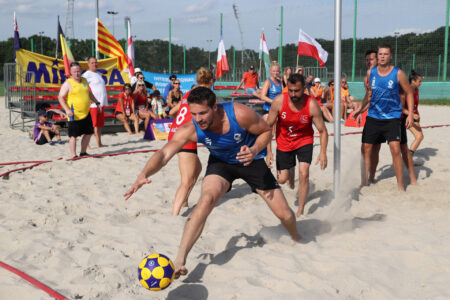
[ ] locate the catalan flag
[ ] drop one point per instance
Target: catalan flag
(109, 46)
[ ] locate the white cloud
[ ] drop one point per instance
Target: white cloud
(174, 39)
(24, 8)
(199, 6)
(197, 20)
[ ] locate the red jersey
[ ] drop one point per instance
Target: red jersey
(416, 102)
(183, 117)
(127, 100)
(294, 128)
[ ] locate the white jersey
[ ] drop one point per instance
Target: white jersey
(97, 85)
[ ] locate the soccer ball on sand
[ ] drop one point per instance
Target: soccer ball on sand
(156, 272)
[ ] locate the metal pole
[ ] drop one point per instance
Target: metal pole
(184, 59)
(32, 45)
(337, 96)
(221, 19)
(113, 13)
(396, 35)
(414, 62)
(280, 50)
(170, 45)
(96, 33)
(209, 53)
(444, 75)
(234, 63)
(439, 68)
(41, 33)
(354, 41)
(93, 48)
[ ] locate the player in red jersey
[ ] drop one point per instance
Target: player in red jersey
(188, 162)
(294, 113)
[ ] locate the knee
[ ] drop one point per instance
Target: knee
(420, 137)
(304, 176)
(282, 179)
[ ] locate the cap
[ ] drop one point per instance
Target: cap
(252, 68)
(317, 79)
(42, 113)
(137, 70)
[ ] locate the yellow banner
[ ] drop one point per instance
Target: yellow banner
(49, 72)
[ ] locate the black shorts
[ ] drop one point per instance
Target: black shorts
(379, 131)
(286, 160)
(188, 151)
(404, 136)
(257, 174)
(42, 140)
(80, 127)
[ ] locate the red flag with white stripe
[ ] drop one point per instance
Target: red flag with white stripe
(222, 62)
(130, 48)
(307, 46)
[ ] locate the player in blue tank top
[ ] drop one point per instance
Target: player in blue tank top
(272, 86)
(383, 120)
(236, 137)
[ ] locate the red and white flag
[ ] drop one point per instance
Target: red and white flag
(130, 48)
(222, 62)
(307, 46)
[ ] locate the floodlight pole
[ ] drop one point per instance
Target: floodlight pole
(337, 96)
(444, 74)
(170, 45)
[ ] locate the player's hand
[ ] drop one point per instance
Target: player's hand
(69, 113)
(245, 156)
(417, 117)
(323, 161)
(356, 114)
(409, 121)
(136, 186)
(269, 159)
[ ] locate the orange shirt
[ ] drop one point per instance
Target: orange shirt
(250, 80)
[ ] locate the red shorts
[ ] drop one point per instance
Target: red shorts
(98, 116)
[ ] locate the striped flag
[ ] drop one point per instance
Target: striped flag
(130, 47)
(67, 54)
(109, 46)
(264, 53)
(222, 62)
(308, 46)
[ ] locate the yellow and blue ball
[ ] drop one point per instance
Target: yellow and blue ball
(156, 272)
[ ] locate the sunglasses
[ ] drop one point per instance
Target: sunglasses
(176, 83)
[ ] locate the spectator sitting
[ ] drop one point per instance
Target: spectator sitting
(125, 109)
(175, 95)
(318, 94)
(44, 131)
(169, 86)
(309, 84)
(250, 81)
(140, 102)
(157, 105)
(287, 72)
(149, 87)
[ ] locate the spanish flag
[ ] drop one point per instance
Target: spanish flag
(109, 46)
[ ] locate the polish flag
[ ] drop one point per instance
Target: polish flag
(307, 46)
(222, 62)
(130, 48)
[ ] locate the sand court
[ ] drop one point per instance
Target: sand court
(66, 224)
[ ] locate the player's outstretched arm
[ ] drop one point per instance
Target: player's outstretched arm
(316, 115)
(184, 135)
(250, 121)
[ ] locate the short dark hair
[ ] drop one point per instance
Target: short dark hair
(385, 46)
(156, 93)
(414, 76)
(370, 51)
(330, 82)
(294, 78)
(173, 76)
(201, 94)
(75, 63)
(90, 57)
(127, 85)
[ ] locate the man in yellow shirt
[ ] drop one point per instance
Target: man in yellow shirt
(77, 106)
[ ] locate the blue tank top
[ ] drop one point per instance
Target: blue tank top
(385, 101)
(273, 91)
(226, 146)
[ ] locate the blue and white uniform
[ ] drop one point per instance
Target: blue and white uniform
(385, 101)
(226, 146)
(274, 90)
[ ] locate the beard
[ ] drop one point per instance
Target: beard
(296, 99)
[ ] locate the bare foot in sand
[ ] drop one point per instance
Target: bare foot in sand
(300, 210)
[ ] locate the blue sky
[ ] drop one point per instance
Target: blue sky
(197, 21)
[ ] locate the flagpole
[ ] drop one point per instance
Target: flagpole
(297, 63)
(96, 30)
(337, 96)
(56, 51)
